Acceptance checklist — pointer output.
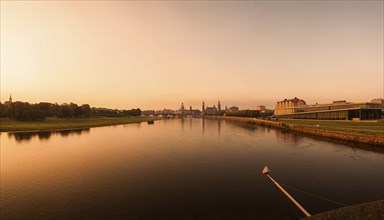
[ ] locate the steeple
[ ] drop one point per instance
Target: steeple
(203, 109)
(219, 106)
(10, 98)
(182, 109)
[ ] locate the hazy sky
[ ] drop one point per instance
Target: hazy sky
(126, 54)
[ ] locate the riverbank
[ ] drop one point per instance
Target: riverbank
(334, 130)
(54, 124)
(367, 211)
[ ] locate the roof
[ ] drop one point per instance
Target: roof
(294, 100)
(332, 110)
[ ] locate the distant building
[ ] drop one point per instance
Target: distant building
(338, 110)
(203, 109)
(165, 112)
(233, 109)
(9, 101)
(260, 108)
(263, 111)
(148, 112)
(182, 109)
(378, 101)
(288, 106)
(211, 110)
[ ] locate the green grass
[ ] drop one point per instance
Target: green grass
(66, 123)
(361, 127)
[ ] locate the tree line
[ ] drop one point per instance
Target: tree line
(24, 111)
(245, 113)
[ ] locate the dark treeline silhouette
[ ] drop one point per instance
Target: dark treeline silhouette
(24, 111)
(245, 113)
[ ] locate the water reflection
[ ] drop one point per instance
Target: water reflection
(159, 171)
(287, 137)
(45, 135)
(294, 138)
(203, 125)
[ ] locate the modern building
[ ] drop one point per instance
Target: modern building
(338, 110)
(379, 101)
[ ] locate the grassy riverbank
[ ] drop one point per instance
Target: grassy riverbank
(361, 127)
(367, 132)
(11, 125)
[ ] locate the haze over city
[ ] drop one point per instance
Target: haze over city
(153, 55)
(217, 109)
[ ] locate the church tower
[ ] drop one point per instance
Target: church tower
(182, 109)
(203, 109)
(219, 106)
(10, 98)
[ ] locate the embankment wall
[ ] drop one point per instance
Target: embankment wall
(361, 138)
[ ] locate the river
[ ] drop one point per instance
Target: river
(180, 169)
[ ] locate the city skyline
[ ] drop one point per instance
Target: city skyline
(153, 55)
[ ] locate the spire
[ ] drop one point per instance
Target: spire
(203, 109)
(219, 106)
(182, 109)
(10, 97)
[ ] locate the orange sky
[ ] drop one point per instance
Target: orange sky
(152, 55)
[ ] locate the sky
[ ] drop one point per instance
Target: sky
(158, 54)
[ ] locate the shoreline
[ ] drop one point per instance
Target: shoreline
(335, 135)
(66, 124)
(367, 211)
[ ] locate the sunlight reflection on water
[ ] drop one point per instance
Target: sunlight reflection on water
(178, 169)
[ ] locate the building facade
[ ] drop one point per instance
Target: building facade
(288, 106)
(338, 110)
(233, 109)
(211, 110)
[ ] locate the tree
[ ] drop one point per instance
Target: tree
(3, 112)
(64, 111)
(21, 111)
(86, 109)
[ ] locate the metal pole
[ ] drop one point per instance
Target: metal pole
(266, 172)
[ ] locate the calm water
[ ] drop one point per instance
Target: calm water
(179, 169)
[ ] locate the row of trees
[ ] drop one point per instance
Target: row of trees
(25, 111)
(245, 113)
